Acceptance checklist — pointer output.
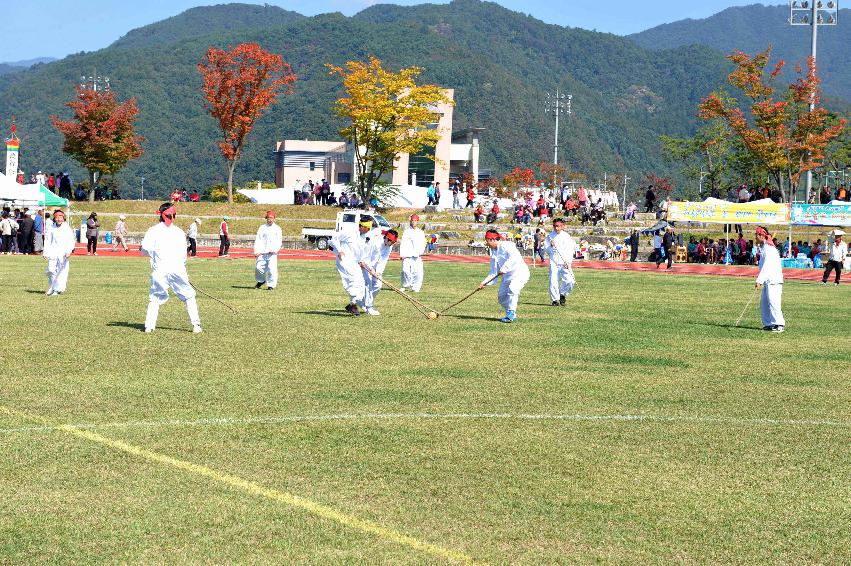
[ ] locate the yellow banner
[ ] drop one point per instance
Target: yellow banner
(722, 212)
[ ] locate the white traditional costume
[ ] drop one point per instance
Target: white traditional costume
(347, 248)
(506, 260)
(58, 245)
(267, 244)
(411, 248)
(166, 246)
(561, 248)
(771, 278)
(375, 254)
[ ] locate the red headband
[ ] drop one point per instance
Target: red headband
(270, 214)
(170, 210)
(760, 231)
(492, 233)
(415, 217)
(389, 235)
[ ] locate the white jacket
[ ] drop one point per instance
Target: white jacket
(349, 245)
(838, 252)
(413, 243)
(560, 247)
(58, 241)
(269, 239)
(770, 270)
(166, 246)
(506, 259)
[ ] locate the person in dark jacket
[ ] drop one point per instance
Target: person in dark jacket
(633, 242)
(92, 231)
(669, 247)
(25, 233)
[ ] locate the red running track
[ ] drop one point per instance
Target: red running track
(679, 268)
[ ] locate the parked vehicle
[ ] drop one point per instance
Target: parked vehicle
(347, 220)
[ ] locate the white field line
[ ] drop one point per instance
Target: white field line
(235, 421)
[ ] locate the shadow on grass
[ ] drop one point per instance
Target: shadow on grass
(327, 313)
(729, 325)
(469, 317)
(34, 291)
(242, 287)
(141, 327)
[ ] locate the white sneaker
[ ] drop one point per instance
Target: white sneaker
(373, 312)
(50, 292)
(148, 330)
(196, 329)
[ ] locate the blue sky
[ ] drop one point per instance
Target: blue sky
(55, 28)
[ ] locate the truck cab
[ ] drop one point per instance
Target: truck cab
(347, 221)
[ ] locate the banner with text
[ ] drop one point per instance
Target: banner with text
(723, 212)
(821, 214)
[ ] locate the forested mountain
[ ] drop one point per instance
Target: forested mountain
(207, 20)
(752, 28)
(499, 62)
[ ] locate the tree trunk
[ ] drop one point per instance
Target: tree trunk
(93, 178)
(231, 167)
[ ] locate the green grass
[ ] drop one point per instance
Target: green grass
(719, 472)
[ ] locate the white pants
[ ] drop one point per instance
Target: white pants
(351, 276)
(178, 281)
(266, 269)
(57, 274)
(412, 273)
(372, 285)
(561, 279)
(770, 305)
(509, 290)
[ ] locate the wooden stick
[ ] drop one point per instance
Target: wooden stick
(423, 309)
(750, 300)
(476, 290)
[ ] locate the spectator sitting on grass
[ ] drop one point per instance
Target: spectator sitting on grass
(479, 213)
(344, 201)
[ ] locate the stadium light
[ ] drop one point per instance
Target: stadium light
(813, 14)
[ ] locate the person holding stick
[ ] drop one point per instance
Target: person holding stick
(58, 247)
(561, 248)
(348, 249)
(770, 278)
(411, 249)
(373, 262)
(507, 262)
(267, 244)
(165, 244)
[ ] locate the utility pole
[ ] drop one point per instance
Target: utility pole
(559, 104)
(813, 13)
(623, 204)
(143, 188)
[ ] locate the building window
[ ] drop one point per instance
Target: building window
(312, 165)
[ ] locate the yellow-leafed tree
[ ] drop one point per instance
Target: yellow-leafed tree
(389, 113)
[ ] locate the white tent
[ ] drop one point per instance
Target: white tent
(22, 195)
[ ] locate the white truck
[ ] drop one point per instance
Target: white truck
(347, 220)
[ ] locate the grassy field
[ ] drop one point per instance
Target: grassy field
(634, 426)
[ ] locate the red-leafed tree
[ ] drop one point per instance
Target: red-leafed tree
(101, 135)
(660, 184)
(786, 136)
(239, 84)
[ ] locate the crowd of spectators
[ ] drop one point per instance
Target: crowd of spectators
(22, 231)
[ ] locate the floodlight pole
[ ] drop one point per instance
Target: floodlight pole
(815, 20)
(558, 104)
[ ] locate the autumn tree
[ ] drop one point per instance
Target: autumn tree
(240, 83)
(388, 115)
(551, 172)
(786, 136)
(101, 135)
(660, 185)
